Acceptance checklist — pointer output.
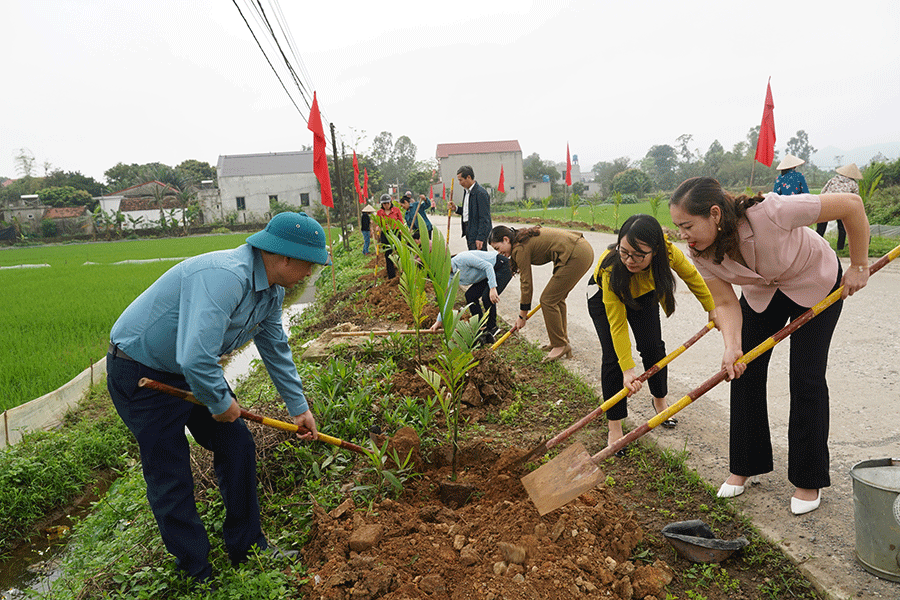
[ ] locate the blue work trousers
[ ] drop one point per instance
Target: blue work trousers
(158, 422)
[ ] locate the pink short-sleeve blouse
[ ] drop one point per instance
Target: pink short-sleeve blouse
(781, 252)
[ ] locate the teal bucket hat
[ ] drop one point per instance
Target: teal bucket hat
(296, 235)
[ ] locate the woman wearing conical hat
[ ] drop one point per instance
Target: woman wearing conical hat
(791, 181)
(845, 182)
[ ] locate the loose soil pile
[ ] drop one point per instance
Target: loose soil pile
(493, 546)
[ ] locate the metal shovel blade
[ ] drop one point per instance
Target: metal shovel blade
(563, 479)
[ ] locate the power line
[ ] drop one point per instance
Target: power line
(267, 57)
(290, 67)
(255, 8)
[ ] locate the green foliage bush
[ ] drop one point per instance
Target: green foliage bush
(891, 173)
(631, 181)
(65, 196)
(49, 228)
(883, 207)
(48, 469)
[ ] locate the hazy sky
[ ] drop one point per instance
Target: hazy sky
(89, 83)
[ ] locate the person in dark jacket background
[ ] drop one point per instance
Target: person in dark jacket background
(475, 210)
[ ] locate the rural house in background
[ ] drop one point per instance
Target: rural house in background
(71, 220)
(28, 212)
(485, 158)
(250, 183)
(140, 204)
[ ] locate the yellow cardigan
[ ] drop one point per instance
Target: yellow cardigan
(642, 283)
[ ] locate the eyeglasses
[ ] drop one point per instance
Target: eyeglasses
(635, 256)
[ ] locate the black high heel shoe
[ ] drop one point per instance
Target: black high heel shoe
(669, 423)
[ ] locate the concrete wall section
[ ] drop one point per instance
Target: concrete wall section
(47, 411)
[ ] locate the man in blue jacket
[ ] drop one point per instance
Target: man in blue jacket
(175, 332)
(475, 210)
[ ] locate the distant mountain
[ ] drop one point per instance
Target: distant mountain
(824, 158)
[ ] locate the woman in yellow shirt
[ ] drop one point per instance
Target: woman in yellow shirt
(634, 276)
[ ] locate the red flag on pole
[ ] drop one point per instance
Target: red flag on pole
(366, 183)
(500, 186)
(320, 159)
(356, 179)
(765, 143)
(568, 166)
(431, 192)
(443, 191)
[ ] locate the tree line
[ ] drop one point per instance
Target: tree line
(392, 163)
(59, 188)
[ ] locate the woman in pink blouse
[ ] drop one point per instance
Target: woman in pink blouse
(765, 245)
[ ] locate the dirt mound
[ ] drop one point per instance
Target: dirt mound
(489, 382)
(494, 546)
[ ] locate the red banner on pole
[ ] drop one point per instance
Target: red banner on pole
(366, 182)
(568, 167)
(356, 179)
(765, 143)
(500, 186)
(320, 159)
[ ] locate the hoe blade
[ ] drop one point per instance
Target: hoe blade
(562, 479)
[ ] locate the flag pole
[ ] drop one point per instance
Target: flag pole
(320, 167)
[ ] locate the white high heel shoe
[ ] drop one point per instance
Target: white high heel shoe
(801, 507)
(726, 490)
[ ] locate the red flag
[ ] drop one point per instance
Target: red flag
(320, 160)
(765, 143)
(568, 167)
(443, 191)
(356, 179)
(500, 186)
(431, 192)
(366, 182)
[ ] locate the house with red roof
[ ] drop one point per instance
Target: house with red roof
(485, 158)
(71, 219)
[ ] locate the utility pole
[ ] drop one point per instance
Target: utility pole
(340, 192)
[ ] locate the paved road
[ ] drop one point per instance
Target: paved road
(864, 381)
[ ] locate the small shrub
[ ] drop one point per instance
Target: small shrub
(883, 207)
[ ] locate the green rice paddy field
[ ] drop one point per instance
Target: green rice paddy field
(55, 321)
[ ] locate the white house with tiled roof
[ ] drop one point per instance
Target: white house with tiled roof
(485, 158)
(141, 204)
(249, 183)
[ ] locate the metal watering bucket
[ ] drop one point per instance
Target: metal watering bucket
(876, 510)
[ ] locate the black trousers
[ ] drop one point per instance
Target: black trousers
(842, 232)
(647, 330)
(158, 420)
(479, 293)
(388, 250)
(470, 239)
(751, 444)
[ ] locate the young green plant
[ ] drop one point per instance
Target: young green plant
(456, 358)
(412, 275)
